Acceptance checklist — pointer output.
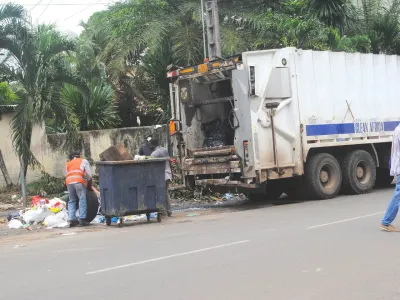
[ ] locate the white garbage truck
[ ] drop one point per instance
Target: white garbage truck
(287, 121)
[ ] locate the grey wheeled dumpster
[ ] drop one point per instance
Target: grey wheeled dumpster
(132, 187)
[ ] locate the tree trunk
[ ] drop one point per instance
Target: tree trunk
(23, 181)
(4, 170)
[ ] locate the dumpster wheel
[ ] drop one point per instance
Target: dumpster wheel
(108, 221)
(158, 217)
(148, 217)
(121, 223)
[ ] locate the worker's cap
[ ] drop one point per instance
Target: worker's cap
(74, 154)
(149, 138)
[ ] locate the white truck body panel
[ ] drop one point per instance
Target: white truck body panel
(335, 99)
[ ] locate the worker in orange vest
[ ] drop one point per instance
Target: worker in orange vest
(78, 179)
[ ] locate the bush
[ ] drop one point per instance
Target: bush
(47, 185)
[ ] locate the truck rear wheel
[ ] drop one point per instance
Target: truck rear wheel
(383, 178)
(274, 189)
(323, 176)
(359, 172)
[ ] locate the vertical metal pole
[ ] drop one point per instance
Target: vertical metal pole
(213, 33)
(204, 29)
(217, 36)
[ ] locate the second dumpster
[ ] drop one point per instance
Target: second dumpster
(132, 187)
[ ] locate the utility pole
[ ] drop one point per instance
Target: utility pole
(214, 37)
(204, 29)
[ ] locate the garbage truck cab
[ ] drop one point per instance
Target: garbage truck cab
(263, 119)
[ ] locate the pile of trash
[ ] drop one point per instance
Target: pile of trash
(49, 213)
(54, 214)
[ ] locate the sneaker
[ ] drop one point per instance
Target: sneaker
(389, 228)
(83, 223)
(73, 223)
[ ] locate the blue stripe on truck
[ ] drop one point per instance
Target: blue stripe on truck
(350, 128)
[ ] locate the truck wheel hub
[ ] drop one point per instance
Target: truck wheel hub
(360, 172)
(324, 176)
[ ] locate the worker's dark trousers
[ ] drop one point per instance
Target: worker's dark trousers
(167, 199)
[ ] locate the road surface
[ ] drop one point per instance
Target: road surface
(330, 250)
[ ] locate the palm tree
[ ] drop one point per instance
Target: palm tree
(335, 13)
(13, 24)
(40, 68)
(92, 107)
(381, 23)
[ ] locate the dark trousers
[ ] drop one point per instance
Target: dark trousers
(167, 199)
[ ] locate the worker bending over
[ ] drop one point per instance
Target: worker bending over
(161, 152)
(79, 177)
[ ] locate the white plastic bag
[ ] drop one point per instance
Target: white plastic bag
(56, 202)
(15, 224)
(36, 216)
(62, 225)
(56, 220)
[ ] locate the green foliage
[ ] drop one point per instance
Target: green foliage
(357, 43)
(40, 68)
(7, 96)
(49, 184)
(92, 108)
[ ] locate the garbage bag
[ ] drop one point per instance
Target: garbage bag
(99, 219)
(13, 215)
(15, 224)
(57, 219)
(214, 132)
(36, 216)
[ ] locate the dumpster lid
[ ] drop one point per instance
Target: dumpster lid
(131, 162)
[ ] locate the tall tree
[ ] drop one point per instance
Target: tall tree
(40, 68)
(13, 24)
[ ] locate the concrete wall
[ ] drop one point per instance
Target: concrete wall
(48, 148)
(6, 147)
(92, 143)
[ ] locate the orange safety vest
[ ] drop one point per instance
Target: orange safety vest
(74, 172)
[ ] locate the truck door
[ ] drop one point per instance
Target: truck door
(274, 109)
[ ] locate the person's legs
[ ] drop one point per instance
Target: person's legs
(73, 198)
(81, 192)
(167, 199)
(393, 207)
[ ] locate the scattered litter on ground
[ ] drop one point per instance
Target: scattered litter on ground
(50, 213)
(69, 234)
(114, 220)
(13, 215)
(228, 197)
(15, 224)
(20, 246)
(27, 227)
(191, 215)
(57, 220)
(37, 215)
(99, 220)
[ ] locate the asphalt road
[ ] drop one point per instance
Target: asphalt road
(330, 250)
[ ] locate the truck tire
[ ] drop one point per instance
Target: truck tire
(323, 176)
(383, 178)
(275, 189)
(359, 172)
(92, 204)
